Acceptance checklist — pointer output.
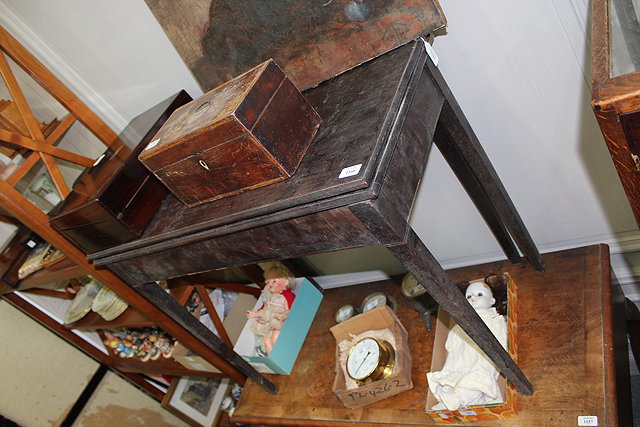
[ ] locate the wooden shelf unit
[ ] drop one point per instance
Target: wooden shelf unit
(16, 255)
(16, 209)
(131, 318)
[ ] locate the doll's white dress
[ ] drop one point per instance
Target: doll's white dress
(468, 376)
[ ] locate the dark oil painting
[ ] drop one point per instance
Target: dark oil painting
(311, 40)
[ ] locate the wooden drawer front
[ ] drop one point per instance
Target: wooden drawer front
(221, 171)
(208, 137)
(327, 230)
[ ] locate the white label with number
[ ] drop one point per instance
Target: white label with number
(152, 144)
(98, 160)
(350, 171)
(432, 53)
(371, 305)
(587, 420)
(468, 413)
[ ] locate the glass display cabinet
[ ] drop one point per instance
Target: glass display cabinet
(615, 60)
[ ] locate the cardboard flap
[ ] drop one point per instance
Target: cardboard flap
(378, 318)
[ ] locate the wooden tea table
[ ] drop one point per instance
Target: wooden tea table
(355, 187)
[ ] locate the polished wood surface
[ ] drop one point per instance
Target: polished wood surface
(565, 340)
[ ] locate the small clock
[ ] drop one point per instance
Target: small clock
(411, 287)
(370, 360)
(345, 312)
(375, 300)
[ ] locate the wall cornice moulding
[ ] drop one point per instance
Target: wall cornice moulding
(61, 68)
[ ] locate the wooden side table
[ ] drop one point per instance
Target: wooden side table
(355, 187)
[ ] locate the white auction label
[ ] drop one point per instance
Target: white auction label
(432, 53)
(371, 306)
(350, 171)
(152, 144)
(587, 420)
(468, 413)
(98, 160)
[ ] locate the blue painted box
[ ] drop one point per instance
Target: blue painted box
(287, 347)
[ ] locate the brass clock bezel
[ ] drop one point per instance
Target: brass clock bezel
(384, 365)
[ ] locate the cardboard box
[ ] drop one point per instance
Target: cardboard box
(397, 382)
(287, 347)
(497, 411)
(233, 324)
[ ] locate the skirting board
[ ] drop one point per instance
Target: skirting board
(624, 249)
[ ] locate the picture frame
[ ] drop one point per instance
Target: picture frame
(312, 41)
(196, 400)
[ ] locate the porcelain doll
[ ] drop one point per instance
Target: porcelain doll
(277, 299)
(468, 376)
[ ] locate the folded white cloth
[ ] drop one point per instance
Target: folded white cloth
(468, 376)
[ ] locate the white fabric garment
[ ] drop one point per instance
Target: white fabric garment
(468, 376)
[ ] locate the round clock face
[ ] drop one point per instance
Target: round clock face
(345, 312)
(374, 300)
(411, 287)
(363, 358)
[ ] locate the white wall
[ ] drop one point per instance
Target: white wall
(520, 71)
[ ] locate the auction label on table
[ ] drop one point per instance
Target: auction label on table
(350, 171)
(587, 420)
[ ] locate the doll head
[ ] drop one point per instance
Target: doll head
(480, 296)
(278, 278)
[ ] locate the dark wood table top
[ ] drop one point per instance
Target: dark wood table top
(565, 349)
(359, 120)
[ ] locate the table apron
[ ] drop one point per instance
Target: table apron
(315, 233)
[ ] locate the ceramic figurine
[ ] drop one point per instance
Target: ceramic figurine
(277, 299)
(468, 377)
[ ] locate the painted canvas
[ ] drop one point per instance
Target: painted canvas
(311, 40)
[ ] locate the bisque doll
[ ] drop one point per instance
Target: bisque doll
(277, 299)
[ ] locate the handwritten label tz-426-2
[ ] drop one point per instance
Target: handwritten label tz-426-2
(388, 387)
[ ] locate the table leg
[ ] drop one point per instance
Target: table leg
(163, 301)
(381, 219)
(415, 256)
(476, 192)
(461, 148)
